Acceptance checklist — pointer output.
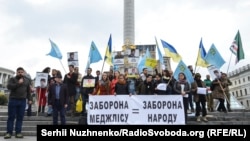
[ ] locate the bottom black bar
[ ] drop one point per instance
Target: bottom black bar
(198, 132)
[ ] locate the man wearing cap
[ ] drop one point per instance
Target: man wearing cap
(218, 91)
(58, 98)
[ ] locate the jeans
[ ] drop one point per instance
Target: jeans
(185, 104)
(58, 108)
(16, 110)
(50, 110)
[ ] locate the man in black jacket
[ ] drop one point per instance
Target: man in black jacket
(70, 79)
(19, 87)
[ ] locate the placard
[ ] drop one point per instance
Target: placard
(88, 83)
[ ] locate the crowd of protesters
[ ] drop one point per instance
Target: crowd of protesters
(61, 92)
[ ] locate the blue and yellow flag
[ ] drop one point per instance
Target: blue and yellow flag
(182, 67)
(108, 55)
(201, 56)
(213, 57)
(94, 54)
(171, 51)
(55, 52)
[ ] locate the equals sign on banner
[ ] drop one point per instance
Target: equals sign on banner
(135, 111)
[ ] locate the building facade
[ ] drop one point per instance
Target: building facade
(240, 87)
(5, 74)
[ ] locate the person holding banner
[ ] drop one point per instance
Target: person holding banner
(218, 91)
(146, 87)
(228, 83)
(114, 81)
(199, 91)
(168, 78)
(182, 87)
(121, 87)
(87, 88)
(42, 90)
(158, 81)
(103, 86)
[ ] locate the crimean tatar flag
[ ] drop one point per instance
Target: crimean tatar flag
(182, 68)
(213, 57)
(94, 54)
(55, 52)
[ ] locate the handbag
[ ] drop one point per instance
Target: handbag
(79, 104)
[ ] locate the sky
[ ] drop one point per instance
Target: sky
(27, 25)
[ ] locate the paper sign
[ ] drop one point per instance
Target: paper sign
(162, 86)
(89, 83)
(201, 90)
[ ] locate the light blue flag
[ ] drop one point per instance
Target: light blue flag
(213, 57)
(55, 52)
(182, 67)
(141, 62)
(94, 54)
(159, 53)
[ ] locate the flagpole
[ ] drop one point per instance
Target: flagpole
(196, 62)
(104, 60)
(62, 66)
(102, 65)
(229, 62)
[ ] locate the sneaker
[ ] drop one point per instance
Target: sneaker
(19, 135)
(204, 119)
(189, 112)
(198, 119)
(7, 136)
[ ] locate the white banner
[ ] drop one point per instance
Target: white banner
(136, 109)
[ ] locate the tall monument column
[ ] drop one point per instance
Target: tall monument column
(128, 22)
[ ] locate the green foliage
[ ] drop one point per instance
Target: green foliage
(3, 99)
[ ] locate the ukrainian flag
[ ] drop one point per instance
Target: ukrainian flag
(201, 56)
(171, 51)
(108, 54)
